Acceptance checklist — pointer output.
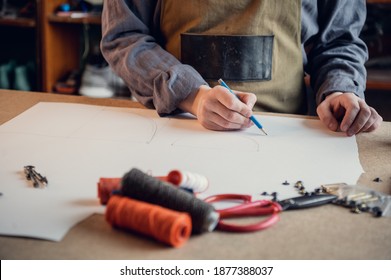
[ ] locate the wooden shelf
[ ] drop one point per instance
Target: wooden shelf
(379, 79)
(79, 19)
(379, 1)
(18, 22)
(20, 30)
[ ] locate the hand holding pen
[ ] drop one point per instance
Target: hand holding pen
(217, 109)
(252, 118)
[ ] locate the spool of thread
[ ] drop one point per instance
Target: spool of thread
(165, 225)
(186, 180)
(106, 187)
(196, 182)
(138, 185)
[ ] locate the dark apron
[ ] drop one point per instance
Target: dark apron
(254, 45)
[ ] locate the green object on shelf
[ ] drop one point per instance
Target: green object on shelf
(17, 76)
(6, 72)
(22, 81)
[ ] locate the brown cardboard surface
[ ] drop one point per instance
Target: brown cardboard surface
(327, 232)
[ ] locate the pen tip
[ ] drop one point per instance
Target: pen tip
(263, 131)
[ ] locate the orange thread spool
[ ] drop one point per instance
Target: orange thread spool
(166, 225)
(105, 188)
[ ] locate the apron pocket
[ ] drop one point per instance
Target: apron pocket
(231, 57)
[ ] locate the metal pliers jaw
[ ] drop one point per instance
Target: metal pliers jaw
(306, 201)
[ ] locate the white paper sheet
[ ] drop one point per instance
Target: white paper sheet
(74, 145)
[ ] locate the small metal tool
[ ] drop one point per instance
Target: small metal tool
(307, 201)
(34, 176)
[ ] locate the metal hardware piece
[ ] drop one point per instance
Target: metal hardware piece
(301, 202)
(32, 175)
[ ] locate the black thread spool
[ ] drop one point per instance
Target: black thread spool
(138, 185)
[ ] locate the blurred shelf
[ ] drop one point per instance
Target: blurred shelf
(76, 18)
(18, 22)
(379, 1)
(379, 79)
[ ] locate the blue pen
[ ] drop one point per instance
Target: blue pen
(252, 118)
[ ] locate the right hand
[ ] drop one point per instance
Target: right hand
(349, 113)
(218, 109)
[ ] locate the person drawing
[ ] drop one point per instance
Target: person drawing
(171, 53)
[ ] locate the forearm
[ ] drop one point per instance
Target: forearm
(155, 77)
(336, 60)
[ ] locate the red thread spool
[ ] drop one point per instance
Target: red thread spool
(166, 225)
(106, 186)
(196, 182)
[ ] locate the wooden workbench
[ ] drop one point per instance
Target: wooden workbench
(328, 232)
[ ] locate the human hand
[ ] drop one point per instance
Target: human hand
(349, 113)
(218, 109)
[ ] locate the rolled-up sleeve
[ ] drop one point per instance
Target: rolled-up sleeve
(336, 55)
(130, 44)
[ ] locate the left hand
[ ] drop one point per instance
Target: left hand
(349, 113)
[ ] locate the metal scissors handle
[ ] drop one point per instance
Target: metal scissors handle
(246, 208)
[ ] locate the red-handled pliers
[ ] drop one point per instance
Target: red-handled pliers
(270, 208)
(246, 208)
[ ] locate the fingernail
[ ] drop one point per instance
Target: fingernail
(350, 133)
(332, 126)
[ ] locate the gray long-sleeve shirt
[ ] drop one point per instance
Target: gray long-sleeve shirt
(333, 53)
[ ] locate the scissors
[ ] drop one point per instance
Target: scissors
(265, 207)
